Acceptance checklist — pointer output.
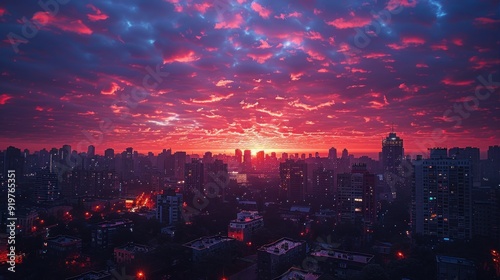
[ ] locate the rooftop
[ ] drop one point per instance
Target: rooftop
(247, 216)
(281, 246)
(207, 242)
(64, 239)
(297, 274)
(92, 275)
(113, 223)
(135, 248)
(344, 255)
(454, 260)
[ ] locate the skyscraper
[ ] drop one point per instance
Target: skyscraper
(472, 154)
(169, 208)
(356, 196)
(46, 187)
(91, 151)
(323, 183)
(293, 177)
(392, 153)
(332, 153)
(247, 160)
(194, 176)
(238, 155)
(441, 203)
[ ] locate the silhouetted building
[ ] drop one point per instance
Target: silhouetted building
(246, 223)
(323, 182)
(47, 187)
(340, 264)
(442, 197)
(293, 179)
(211, 247)
(64, 246)
(104, 233)
(275, 258)
(238, 155)
(392, 153)
(169, 208)
(194, 176)
(332, 153)
(356, 196)
(455, 268)
(130, 252)
(473, 155)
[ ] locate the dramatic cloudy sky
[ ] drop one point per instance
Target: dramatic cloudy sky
(298, 74)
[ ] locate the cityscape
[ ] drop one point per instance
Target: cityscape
(250, 140)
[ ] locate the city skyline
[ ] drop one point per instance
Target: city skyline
(254, 74)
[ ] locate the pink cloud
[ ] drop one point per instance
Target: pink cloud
(485, 20)
(98, 14)
(342, 23)
(450, 82)
(263, 12)
(4, 98)
(62, 23)
(394, 4)
(235, 22)
(183, 57)
(260, 58)
(112, 89)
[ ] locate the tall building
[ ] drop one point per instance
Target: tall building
(238, 154)
(13, 160)
(473, 155)
(91, 151)
(332, 153)
(47, 187)
(194, 176)
(128, 164)
(216, 173)
(492, 167)
(323, 182)
(247, 160)
(441, 196)
(392, 153)
(356, 196)
(169, 208)
(293, 179)
(179, 165)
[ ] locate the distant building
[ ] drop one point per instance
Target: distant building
(246, 223)
(293, 180)
(169, 208)
(25, 220)
(103, 234)
(298, 274)
(127, 253)
(392, 153)
(442, 205)
(275, 258)
(455, 268)
(64, 246)
(206, 248)
(341, 264)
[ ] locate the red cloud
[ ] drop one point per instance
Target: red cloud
(260, 58)
(4, 98)
(485, 20)
(98, 14)
(407, 42)
(263, 12)
(394, 4)
(184, 56)
(342, 23)
(450, 82)
(2, 11)
(113, 88)
(202, 8)
(62, 23)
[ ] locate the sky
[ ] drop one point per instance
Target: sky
(251, 74)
